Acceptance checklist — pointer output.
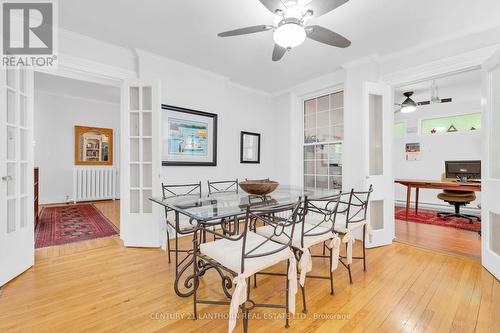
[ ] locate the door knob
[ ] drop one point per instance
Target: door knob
(7, 178)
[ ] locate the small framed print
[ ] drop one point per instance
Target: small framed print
(250, 147)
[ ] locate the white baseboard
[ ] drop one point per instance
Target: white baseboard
(441, 208)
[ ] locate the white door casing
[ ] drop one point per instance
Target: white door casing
(490, 173)
(16, 173)
(140, 163)
(378, 118)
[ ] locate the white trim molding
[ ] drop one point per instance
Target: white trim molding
(456, 64)
(82, 69)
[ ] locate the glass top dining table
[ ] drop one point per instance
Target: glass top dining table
(216, 206)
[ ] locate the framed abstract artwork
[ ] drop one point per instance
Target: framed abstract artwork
(250, 147)
(189, 137)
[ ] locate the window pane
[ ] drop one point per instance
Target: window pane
(399, 130)
(324, 103)
(310, 107)
(337, 100)
(322, 167)
(465, 122)
(337, 117)
(309, 152)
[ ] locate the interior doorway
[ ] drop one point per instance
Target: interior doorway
(442, 127)
(77, 163)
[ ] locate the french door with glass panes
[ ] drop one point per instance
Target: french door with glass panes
(140, 164)
(490, 173)
(323, 136)
(16, 173)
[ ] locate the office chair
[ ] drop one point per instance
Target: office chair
(457, 199)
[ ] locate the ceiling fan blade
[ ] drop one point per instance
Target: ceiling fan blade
(273, 5)
(245, 31)
(446, 100)
(327, 36)
(278, 52)
(320, 7)
(424, 103)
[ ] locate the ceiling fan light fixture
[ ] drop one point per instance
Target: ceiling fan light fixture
(289, 35)
(408, 108)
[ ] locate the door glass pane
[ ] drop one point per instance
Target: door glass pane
(11, 78)
(134, 124)
(24, 212)
(495, 233)
(134, 201)
(377, 214)
(23, 145)
(376, 157)
(11, 182)
(147, 119)
(147, 150)
(22, 80)
(147, 175)
(11, 215)
(11, 143)
(11, 107)
(23, 178)
(147, 98)
(134, 98)
(135, 176)
(134, 150)
(23, 112)
(147, 206)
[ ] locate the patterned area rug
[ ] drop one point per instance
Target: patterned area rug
(430, 217)
(71, 223)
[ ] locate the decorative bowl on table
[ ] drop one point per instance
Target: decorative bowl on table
(259, 187)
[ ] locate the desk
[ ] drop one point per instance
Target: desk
(433, 184)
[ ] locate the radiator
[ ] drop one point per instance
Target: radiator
(94, 183)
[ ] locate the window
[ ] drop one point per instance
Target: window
(460, 123)
(399, 130)
(323, 135)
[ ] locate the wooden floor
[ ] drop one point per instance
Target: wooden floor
(115, 289)
(444, 239)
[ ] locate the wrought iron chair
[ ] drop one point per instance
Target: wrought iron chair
(350, 218)
(243, 255)
(323, 212)
(224, 186)
(181, 224)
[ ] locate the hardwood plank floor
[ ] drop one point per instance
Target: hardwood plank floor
(444, 239)
(111, 288)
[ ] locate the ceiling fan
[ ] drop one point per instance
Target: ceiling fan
(290, 29)
(409, 105)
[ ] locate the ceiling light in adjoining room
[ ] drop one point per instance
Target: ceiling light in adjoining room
(289, 35)
(408, 105)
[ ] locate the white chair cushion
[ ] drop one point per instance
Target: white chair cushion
(309, 241)
(228, 253)
(184, 221)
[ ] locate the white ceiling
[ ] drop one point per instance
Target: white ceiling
(185, 30)
(59, 85)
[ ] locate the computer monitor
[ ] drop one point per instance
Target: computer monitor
(463, 170)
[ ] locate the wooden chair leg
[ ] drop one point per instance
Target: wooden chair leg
(287, 312)
(304, 306)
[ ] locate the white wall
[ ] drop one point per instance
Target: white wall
(437, 148)
(54, 119)
(238, 109)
